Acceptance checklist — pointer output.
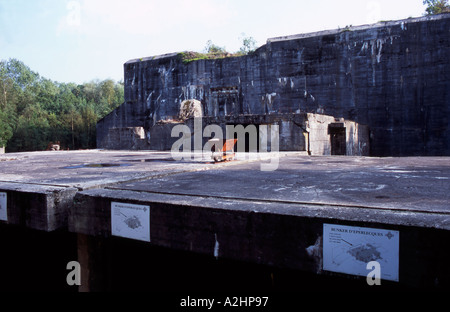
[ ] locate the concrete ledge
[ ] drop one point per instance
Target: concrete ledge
(235, 210)
(40, 186)
(92, 212)
(277, 218)
(282, 235)
(37, 207)
(413, 186)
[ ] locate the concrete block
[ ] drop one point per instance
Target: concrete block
(38, 207)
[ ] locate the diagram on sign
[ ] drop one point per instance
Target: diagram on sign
(3, 211)
(130, 221)
(349, 249)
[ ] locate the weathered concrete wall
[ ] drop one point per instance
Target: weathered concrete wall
(161, 136)
(133, 138)
(319, 141)
(356, 136)
(357, 139)
(291, 131)
(296, 132)
(392, 76)
(38, 207)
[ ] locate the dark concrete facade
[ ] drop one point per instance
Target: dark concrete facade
(391, 76)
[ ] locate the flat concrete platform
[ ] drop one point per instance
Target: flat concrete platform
(55, 177)
(278, 218)
(236, 211)
(413, 191)
(90, 169)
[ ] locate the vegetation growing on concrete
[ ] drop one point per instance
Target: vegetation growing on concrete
(436, 6)
(190, 56)
(213, 51)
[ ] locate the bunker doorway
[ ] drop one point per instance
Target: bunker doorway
(338, 139)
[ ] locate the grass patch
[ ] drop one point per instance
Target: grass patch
(187, 57)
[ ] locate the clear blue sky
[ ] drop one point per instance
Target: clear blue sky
(82, 40)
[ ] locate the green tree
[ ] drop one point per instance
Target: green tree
(71, 121)
(91, 92)
(119, 91)
(6, 86)
(248, 45)
(35, 111)
(22, 75)
(6, 132)
(7, 105)
(47, 96)
(32, 132)
(106, 97)
(89, 118)
(211, 48)
(436, 6)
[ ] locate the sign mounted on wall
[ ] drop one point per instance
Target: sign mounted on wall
(130, 221)
(348, 249)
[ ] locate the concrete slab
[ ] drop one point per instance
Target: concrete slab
(90, 169)
(277, 218)
(237, 211)
(55, 177)
(39, 186)
(413, 185)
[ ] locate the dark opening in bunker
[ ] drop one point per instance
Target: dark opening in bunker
(338, 139)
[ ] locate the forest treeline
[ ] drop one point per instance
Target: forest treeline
(35, 111)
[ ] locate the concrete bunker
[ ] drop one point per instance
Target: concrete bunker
(361, 74)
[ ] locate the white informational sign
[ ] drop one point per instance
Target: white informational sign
(348, 249)
(130, 221)
(3, 210)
